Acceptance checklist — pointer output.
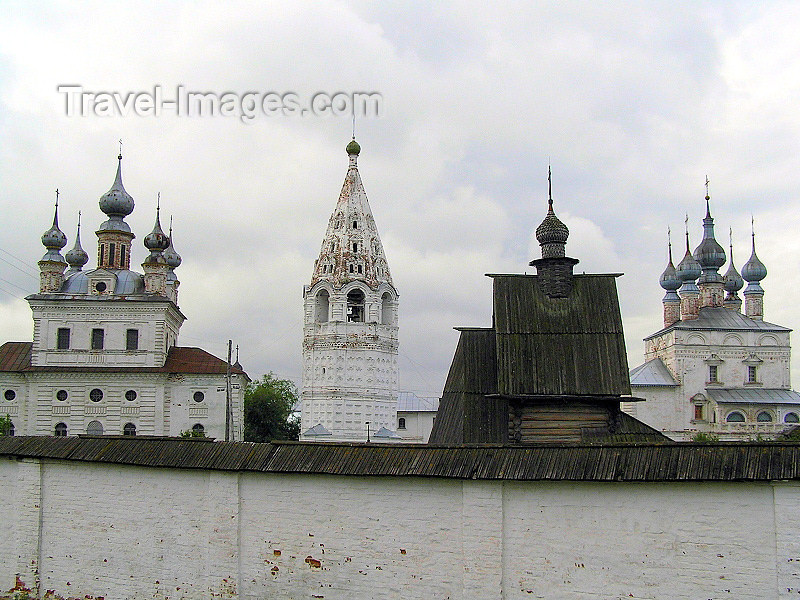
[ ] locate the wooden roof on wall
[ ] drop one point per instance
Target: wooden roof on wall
(652, 462)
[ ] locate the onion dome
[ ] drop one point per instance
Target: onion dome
(156, 241)
(54, 239)
(173, 258)
(669, 278)
(733, 281)
(116, 203)
(709, 254)
(77, 257)
(688, 269)
(754, 270)
(353, 148)
(551, 233)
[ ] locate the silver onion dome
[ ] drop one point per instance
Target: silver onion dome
(173, 258)
(709, 254)
(669, 278)
(688, 269)
(733, 281)
(754, 270)
(116, 202)
(77, 257)
(551, 233)
(54, 239)
(156, 241)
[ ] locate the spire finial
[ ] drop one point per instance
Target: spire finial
(79, 222)
(669, 243)
(549, 187)
(354, 125)
(237, 345)
(170, 227)
(56, 197)
(708, 198)
(158, 202)
(686, 226)
(753, 231)
(120, 149)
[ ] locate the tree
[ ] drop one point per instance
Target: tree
(269, 410)
(6, 426)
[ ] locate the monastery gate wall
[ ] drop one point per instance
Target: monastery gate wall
(90, 529)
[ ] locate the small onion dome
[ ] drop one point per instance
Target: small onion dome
(353, 148)
(54, 239)
(156, 241)
(77, 257)
(552, 230)
(688, 269)
(669, 278)
(733, 281)
(173, 258)
(754, 270)
(116, 201)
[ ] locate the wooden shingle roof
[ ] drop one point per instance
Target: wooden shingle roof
(617, 462)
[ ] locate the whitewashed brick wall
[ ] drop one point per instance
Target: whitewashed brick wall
(127, 532)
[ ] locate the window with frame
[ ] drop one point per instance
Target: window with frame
(94, 428)
(130, 395)
(132, 339)
(62, 338)
(198, 396)
(752, 373)
(764, 417)
(98, 337)
(735, 417)
(61, 430)
(10, 395)
(129, 429)
(96, 395)
(791, 418)
(401, 423)
(355, 306)
(198, 430)
(713, 373)
(698, 412)
(62, 395)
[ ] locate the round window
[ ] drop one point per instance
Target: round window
(96, 395)
(199, 396)
(130, 395)
(62, 395)
(10, 395)
(100, 286)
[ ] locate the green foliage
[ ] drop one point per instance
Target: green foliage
(191, 433)
(268, 410)
(705, 438)
(792, 435)
(5, 425)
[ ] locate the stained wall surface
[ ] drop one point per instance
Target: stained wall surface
(123, 532)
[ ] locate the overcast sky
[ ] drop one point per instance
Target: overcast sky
(633, 104)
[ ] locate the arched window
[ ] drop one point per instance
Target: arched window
(791, 418)
(401, 423)
(94, 428)
(735, 417)
(355, 306)
(198, 430)
(764, 417)
(61, 430)
(322, 306)
(129, 429)
(387, 318)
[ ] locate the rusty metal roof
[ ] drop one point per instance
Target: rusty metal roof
(669, 461)
(16, 357)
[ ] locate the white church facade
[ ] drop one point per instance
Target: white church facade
(104, 357)
(350, 342)
(713, 369)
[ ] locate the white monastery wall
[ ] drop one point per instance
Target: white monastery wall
(126, 532)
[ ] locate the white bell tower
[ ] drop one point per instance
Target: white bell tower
(350, 326)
